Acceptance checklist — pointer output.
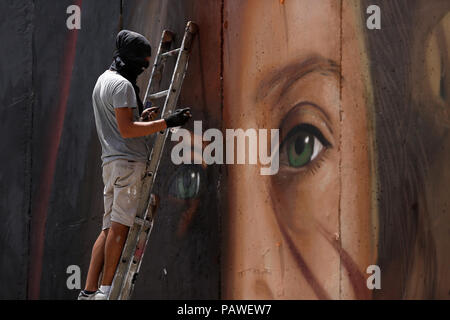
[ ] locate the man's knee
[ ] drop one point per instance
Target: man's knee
(120, 231)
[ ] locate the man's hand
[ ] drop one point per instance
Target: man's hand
(178, 118)
(149, 114)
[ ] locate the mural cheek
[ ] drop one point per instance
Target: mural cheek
(307, 207)
(301, 201)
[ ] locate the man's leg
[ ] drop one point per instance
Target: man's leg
(96, 264)
(113, 249)
(126, 183)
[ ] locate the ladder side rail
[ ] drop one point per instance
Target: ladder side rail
(159, 63)
(172, 97)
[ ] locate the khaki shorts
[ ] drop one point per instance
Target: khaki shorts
(123, 183)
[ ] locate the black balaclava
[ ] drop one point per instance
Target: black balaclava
(129, 58)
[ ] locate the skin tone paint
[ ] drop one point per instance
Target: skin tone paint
(304, 233)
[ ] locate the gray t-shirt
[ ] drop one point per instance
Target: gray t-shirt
(114, 91)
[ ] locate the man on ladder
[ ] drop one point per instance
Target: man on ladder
(117, 110)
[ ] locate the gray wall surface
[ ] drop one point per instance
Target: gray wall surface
(52, 201)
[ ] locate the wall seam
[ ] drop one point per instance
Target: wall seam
(340, 146)
(29, 150)
(222, 7)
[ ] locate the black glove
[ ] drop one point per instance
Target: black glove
(178, 118)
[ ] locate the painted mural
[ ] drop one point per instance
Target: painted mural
(348, 201)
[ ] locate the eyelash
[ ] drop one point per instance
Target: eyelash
(314, 165)
(310, 128)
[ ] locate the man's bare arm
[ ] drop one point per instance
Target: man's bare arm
(132, 129)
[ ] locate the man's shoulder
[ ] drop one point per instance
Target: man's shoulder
(113, 82)
(113, 77)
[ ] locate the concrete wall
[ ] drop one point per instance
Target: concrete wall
(375, 194)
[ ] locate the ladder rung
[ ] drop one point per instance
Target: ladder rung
(171, 53)
(142, 222)
(158, 95)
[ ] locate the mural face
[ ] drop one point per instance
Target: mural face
(306, 232)
(363, 120)
(357, 185)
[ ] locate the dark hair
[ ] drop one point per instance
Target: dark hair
(406, 249)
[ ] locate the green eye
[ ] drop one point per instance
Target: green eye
(186, 183)
(300, 149)
(303, 144)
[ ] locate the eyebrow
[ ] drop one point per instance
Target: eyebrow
(293, 72)
(316, 107)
